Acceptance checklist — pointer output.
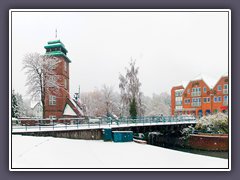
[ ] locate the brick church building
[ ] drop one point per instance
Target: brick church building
(60, 104)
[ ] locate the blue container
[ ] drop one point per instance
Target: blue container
(107, 134)
(122, 136)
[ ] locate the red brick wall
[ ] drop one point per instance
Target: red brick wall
(173, 98)
(209, 142)
(210, 93)
(217, 105)
(197, 84)
(62, 94)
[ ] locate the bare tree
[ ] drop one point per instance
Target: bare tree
(157, 104)
(107, 92)
(41, 76)
(101, 102)
(130, 89)
(94, 103)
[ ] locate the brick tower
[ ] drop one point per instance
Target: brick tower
(55, 102)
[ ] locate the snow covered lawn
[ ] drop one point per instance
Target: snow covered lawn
(50, 152)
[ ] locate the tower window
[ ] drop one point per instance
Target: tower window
(65, 66)
(65, 83)
(52, 100)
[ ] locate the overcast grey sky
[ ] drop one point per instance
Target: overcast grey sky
(169, 47)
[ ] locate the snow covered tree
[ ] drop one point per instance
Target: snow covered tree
(101, 102)
(41, 77)
(15, 106)
(130, 89)
(107, 92)
(133, 109)
(157, 104)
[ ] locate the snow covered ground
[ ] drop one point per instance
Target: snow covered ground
(50, 152)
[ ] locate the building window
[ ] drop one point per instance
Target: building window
(53, 63)
(215, 99)
(52, 81)
(65, 83)
(187, 101)
(65, 66)
(188, 91)
(206, 100)
(225, 89)
(219, 87)
(52, 100)
(225, 98)
(196, 101)
(219, 98)
(196, 91)
(204, 89)
(225, 86)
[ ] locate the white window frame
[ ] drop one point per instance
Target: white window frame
(65, 66)
(65, 83)
(196, 101)
(220, 97)
(187, 101)
(224, 99)
(215, 99)
(204, 89)
(207, 100)
(52, 100)
(219, 86)
(225, 90)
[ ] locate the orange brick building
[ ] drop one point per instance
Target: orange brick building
(200, 97)
(59, 104)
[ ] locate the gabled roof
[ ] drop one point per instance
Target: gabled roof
(68, 111)
(207, 79)
(33, 104)
(72, 109)
(77, 105)
(223, 76)
(183, 83)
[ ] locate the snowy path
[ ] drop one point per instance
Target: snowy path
(49, 152)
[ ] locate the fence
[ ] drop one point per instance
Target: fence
(88, 123)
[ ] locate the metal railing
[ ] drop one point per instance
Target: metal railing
(91, 123)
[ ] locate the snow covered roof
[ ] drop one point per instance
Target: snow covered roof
(76, 105)
(183, 83)
(207, 79)
(69, 111)
(179, 90)
(34, 103)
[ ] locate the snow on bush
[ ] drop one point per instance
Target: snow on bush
(216, 123)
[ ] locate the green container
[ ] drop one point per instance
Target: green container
(107, 134)
(122, 136)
